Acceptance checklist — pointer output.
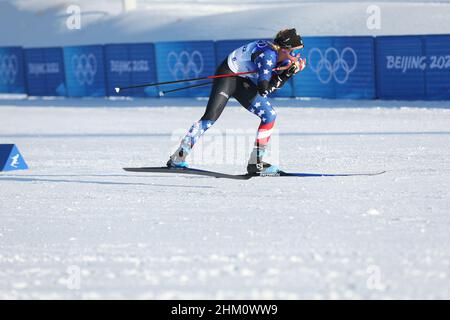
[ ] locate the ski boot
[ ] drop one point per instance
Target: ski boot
(258, 167)
(262, 168)
(178, 159)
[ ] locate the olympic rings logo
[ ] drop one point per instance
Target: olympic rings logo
(9, 67)
(84, 68)
(185, 65)
(333, 64)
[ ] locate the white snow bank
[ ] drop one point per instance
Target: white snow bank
(33, 23)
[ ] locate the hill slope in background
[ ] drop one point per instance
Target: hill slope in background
(37, 23)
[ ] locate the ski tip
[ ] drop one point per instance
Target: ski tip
(161, 93)
(117, 89)
(373, 173)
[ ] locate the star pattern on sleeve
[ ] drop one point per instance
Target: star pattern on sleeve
(264, 62)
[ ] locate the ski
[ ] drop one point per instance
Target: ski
(301, 174)
(191, 171)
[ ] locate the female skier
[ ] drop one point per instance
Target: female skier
(251, 91)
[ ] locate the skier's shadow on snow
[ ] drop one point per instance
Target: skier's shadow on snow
(32, 178)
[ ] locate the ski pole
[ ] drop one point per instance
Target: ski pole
(162, 93)
(118, 89)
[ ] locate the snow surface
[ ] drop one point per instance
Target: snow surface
(38, 23)
(76, 226)
(75, 215)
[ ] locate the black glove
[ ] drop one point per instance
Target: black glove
(286, 74)
(277, 81)
(265, 87)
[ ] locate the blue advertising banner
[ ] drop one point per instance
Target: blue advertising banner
(12, 78)
(130, 64)
(316, 80)
(85, 71)
(437, 50)
(401, 65)
(337, 67)
(225, 47)
(45, 72)
(385, 67)
(354, 69)
(184, 60)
